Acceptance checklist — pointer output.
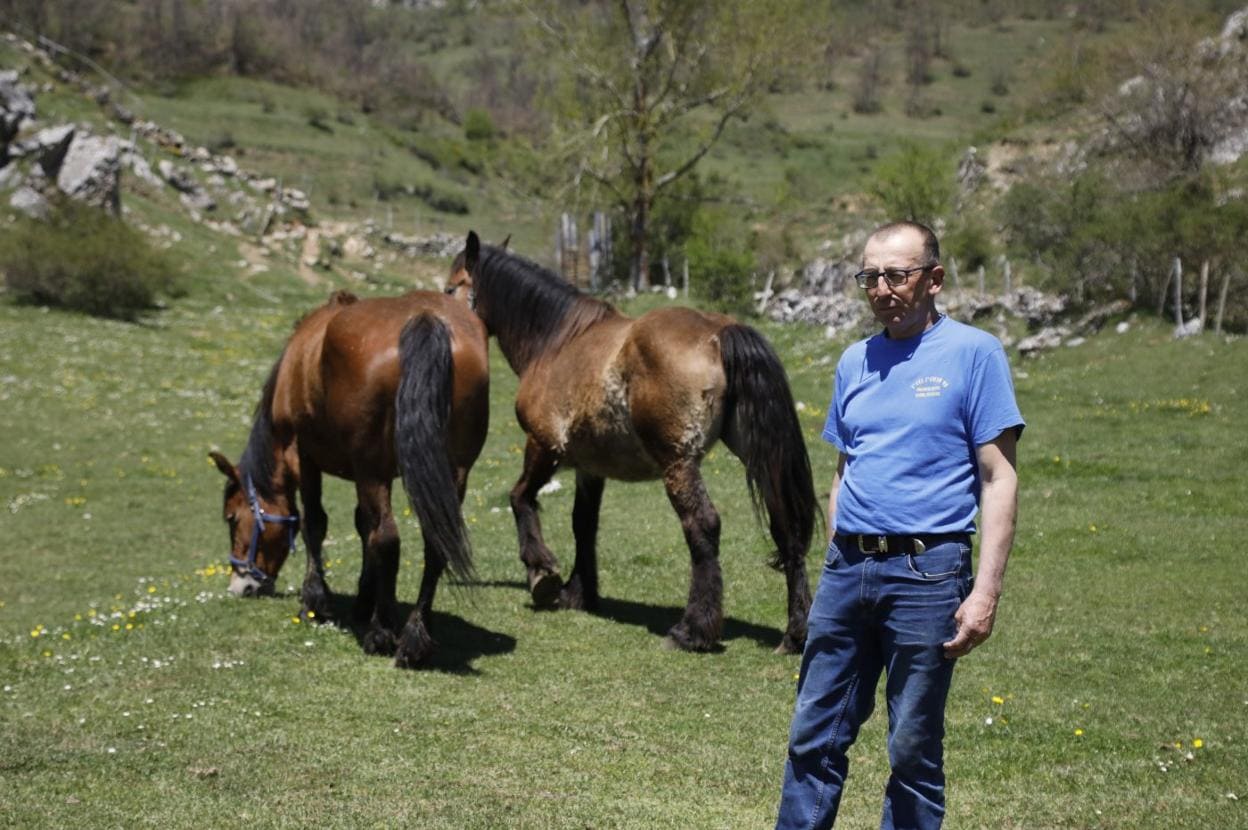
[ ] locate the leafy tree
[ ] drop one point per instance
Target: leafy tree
(643, 89)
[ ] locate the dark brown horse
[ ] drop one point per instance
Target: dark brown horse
(365, 390)
(639, 399)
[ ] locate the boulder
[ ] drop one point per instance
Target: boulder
(51, 146)
(30, 202)
(180, 179)
(1047, 338)
(91, 171)
(17, 108)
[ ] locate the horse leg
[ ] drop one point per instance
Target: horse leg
(315, 596)
(794, 639)
(700, 627)
(381, 567)
(416, 644)
(542, 567)
(581, 590)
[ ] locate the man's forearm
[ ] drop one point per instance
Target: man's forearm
(998, 516)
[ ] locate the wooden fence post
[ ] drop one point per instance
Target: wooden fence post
(1226, 283)
(1178, 292)
(1204, 291)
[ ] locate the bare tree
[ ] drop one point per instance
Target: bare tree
(645, 88)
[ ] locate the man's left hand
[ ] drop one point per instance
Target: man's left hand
(975, 617)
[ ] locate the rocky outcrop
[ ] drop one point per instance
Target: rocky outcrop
(91, 171)
(17, 109)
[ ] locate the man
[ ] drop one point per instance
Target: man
(924, 419)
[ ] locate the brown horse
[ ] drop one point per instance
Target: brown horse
(364, 390)
(640, 399)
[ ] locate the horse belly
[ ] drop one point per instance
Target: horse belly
(614, 455)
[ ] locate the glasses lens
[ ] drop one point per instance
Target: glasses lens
(896, 276)
(866, 279)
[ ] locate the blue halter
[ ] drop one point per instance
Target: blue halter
(248, 565)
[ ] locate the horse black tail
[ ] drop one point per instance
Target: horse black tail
(422, 414)
(761, 427)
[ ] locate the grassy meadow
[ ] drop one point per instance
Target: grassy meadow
(135, 692)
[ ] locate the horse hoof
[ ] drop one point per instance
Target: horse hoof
(379, 641)
(412, 658)
(544, 588)
(680, 638)
(788, 645)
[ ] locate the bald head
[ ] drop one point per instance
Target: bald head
(921, 234)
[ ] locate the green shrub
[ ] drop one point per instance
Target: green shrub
(915, 183)
(85, 260)
(721, 270)
(478, 126)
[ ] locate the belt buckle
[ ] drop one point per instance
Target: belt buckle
(881, 544)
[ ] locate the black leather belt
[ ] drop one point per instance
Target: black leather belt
(893, 545)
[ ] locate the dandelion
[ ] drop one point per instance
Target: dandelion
(997, 699)
(1198, 743)
(295, 620)
(1078, 733)
(1092, 528)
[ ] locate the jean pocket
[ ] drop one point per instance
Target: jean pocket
(833, 557)
(939, 563)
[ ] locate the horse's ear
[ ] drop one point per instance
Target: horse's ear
(223, 464)
(472, 252)
(506, 242)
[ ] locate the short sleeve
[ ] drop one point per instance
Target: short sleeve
(832, 425)
(991, 406)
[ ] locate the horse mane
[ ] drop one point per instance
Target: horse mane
(530, 309)
(258, 457)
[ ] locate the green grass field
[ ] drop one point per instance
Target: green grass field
(135, 692)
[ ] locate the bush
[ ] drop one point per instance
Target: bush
(85, 260)
(721, 271)
(478, 126)
(915, 183)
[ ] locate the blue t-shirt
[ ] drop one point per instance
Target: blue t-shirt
(909, 415)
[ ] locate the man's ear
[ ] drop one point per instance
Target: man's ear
(227, 469)
(936, 279)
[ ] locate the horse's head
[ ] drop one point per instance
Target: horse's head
(261, 534)
(464, 267)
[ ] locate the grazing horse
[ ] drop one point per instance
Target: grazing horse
(365, 390)
(642, 399)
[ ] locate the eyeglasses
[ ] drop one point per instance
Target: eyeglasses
(893, 276)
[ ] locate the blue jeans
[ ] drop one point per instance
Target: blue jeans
(875, 613)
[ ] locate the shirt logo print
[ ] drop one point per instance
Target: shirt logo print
(930, 386)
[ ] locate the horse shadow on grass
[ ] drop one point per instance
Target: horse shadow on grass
(459, 642)
(657, 619)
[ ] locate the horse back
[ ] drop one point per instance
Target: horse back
(628, 396)
(344, 375)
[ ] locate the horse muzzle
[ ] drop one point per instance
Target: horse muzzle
(246, 585)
